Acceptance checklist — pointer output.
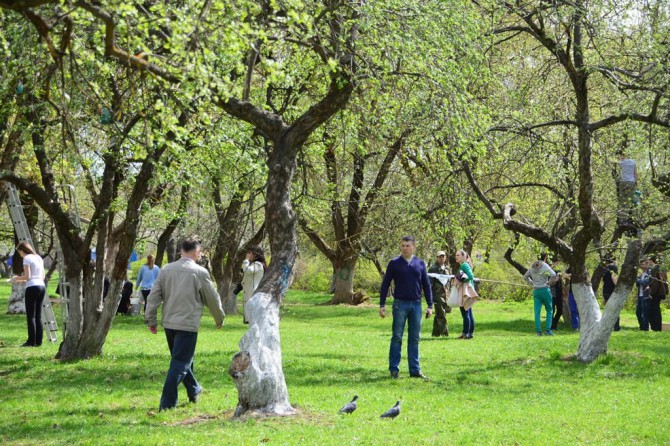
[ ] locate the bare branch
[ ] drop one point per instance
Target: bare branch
(318, 241)
(518, 185)
(22, 5)
(111, 50)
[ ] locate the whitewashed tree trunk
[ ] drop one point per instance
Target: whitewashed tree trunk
(595, 326)
(17, 303)
(257, 367)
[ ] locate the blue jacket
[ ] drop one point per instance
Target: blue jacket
(643, 284)
(409, 279)
(146, 277)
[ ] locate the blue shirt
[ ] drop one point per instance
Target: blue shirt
(409, 278)
(146, 277)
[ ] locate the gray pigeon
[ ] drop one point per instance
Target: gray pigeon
(392, 412)
(350, 406)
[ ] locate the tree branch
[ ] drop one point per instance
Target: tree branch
(318, 241)
(517, 185)
(111, 50)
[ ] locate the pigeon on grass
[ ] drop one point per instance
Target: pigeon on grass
(350, 406)
(392, 412)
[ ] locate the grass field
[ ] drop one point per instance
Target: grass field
(506, 386)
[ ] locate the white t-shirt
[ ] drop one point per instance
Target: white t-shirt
(36, 270)
(627, 170)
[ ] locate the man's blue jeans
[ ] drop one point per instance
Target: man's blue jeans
(182, 347)
(642, 312)
(574, 311)
(410, 312)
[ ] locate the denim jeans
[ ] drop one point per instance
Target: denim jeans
(655, 314)
(182, 347)
(468, 322)
(642, 312)
(574, 311)
(410, 312)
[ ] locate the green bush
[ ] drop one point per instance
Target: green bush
(491, 290)
(314, 273)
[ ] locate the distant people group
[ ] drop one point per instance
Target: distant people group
(652, 288)
(552, 290)
(184, 287)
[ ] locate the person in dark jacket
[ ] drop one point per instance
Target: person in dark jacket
(126, 293)
(642, 306)
(440, 325)
(556, 295)
(657, 292)
(410, 277)
(610, 277)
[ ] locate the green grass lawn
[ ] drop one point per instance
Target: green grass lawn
(506, 386)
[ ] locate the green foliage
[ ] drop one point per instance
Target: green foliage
(312, 274)
(496, 271)
(330, 354)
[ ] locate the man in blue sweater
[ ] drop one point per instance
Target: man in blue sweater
(410, 276)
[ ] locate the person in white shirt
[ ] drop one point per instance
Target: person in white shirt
(626, 189)
(253, 269)
(33, 276)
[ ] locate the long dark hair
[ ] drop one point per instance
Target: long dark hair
(25, 248)
(259, 255)
(466, 256)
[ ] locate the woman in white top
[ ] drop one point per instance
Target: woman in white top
(253, 269)
(33, 275)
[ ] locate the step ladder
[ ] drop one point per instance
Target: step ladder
(23, 234)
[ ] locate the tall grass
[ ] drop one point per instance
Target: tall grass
(506, 386)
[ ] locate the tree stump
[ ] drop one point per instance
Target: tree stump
(17, 304)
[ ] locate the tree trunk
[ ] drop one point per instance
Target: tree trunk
(171, 250)
(333, 278)
(225, 287)
(166, 235)
(344, 281)
(257, 368)
(17, 303)
(596, 328)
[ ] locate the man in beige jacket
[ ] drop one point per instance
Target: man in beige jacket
(183, 288)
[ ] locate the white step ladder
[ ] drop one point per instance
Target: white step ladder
(23, 234)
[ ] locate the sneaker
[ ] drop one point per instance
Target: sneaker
(394, 374)
(548, 333)
(420, 375)
(461, 337)
(539, 333)
(194, 399)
